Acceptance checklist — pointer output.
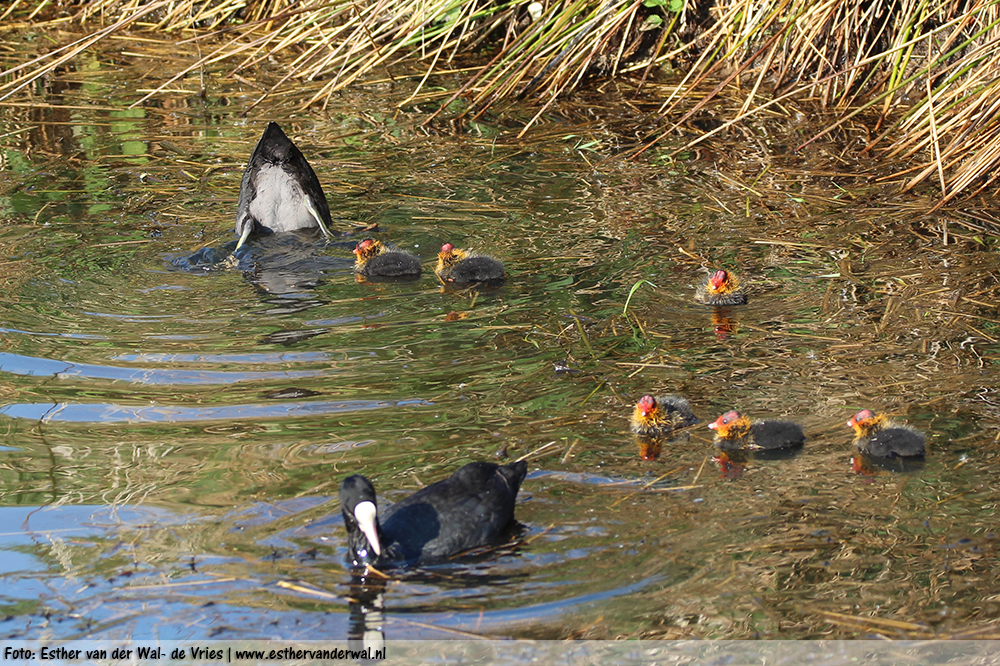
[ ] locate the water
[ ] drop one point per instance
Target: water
(175, 433)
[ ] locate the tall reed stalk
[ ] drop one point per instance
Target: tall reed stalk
(923, 74)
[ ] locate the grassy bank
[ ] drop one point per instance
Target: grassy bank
(922, 77)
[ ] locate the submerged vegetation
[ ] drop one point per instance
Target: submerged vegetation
(920, 78)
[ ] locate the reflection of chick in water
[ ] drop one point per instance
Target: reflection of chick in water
(732, 463)
(867, 465)
(465, 267)
(877, 436)
(376, 260)
(721, 288)
(724, 324)
(649, 447)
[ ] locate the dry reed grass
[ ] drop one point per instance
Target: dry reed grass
(922, 75)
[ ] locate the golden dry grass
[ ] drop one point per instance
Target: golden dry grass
(921, 75)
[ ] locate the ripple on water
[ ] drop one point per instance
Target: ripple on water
(777, 552)
(249, 357)
(53, 334)
(111, 413)
(42, 367)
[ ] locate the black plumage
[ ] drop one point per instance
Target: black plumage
(902, 442)
(375, 260)
(466, 267)
(734, 432)
(659, 416)
(279, 191)
(777, 435)
(476, 269)
(471, 508)
(879, 437)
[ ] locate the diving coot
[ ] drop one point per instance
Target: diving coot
(465, 267)
(735, 432)
(279, 190)
(721, 288)
(472, 507)
(877, 436)
(376, 260)
(659, 416)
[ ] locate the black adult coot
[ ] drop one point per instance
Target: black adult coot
(721, 288)
(467, 267)
(374, 259)
(877, 436)
(471, 508)
(659, 416)
(735, 432)
(279, 190)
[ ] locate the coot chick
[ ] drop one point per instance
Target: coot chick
(376, 260)
(279, 191)
(467, 267)
(877, 436)
(659, 416)
(721, 288)
(735, 432)
(471, 508)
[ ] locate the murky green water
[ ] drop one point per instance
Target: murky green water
(175, 437)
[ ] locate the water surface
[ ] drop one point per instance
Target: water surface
(175, 432)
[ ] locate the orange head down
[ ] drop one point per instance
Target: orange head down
(730, 425)
(367, 249)
(722, 282)
(449, 256)
(646, 406)
(721, 288)
(661, 416)
(866, 422)
(648, 417)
